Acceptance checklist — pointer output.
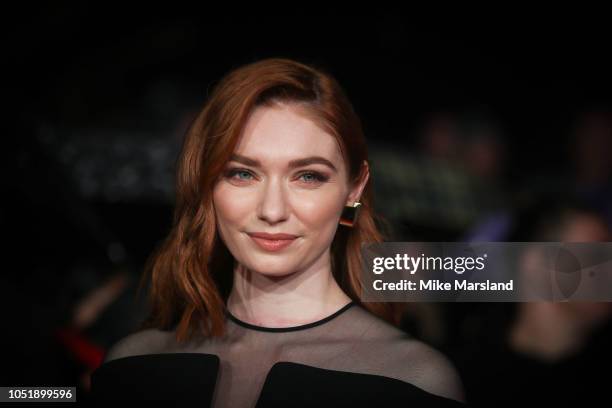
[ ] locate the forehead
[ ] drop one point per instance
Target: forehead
(282, 133)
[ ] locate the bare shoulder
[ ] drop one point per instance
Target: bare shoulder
(429, 369)
(147, 341)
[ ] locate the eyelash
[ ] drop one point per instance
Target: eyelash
(318, 177)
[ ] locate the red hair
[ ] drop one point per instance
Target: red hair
(191, 272)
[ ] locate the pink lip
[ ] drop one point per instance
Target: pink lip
(266, 235)
(272, 244)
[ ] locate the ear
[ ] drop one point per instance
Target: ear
(359, 185)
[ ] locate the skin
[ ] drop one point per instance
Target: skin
(295, 285)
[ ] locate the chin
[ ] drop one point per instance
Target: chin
(272, 270)
(277, 276)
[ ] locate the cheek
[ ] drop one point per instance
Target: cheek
(229, 208)
(320, 215)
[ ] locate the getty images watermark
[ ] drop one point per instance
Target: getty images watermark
(487, 271)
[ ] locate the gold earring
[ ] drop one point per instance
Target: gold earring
(349, 214)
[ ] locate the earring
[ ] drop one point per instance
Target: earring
(349, 214)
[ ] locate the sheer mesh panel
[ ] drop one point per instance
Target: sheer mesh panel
(351, 340)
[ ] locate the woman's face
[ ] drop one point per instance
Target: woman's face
(265, 189)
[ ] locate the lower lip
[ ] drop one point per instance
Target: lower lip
(272, 244)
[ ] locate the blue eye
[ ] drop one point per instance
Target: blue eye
(243, 172)
(232, 172)
(316, 177)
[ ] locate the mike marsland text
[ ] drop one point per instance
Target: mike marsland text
(438, 285)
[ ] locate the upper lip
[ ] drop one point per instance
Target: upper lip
(266, 235)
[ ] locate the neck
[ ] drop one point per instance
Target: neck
(298, 298)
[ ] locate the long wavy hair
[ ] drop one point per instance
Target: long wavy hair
(190, 273)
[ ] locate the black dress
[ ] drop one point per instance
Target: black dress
(350, 358)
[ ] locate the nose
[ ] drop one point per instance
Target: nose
(273, 206)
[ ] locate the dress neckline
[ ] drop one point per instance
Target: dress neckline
(290, 328)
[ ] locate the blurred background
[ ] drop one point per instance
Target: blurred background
(478, 130)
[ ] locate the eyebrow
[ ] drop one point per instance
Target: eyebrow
(292, 164)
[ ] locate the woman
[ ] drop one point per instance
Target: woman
(255, 292)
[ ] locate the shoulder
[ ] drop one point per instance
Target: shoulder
(142, 342)
(427, 368)
(406, 358)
